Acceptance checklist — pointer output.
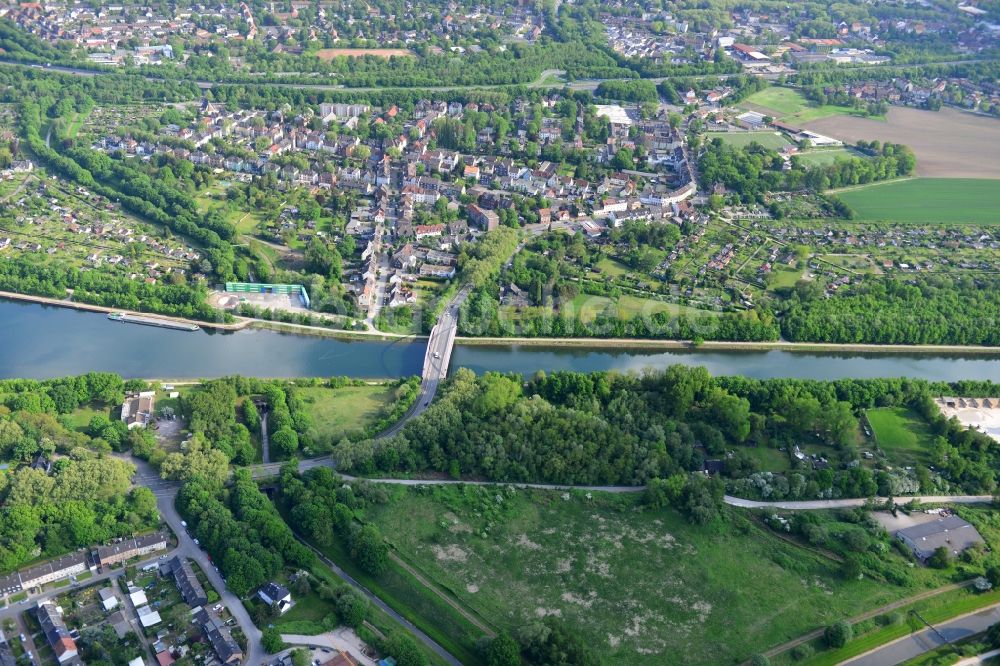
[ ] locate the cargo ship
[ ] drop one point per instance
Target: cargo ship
(126, 318)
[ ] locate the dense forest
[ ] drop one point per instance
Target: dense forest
(606, 428)
(926, 310)
(241, 529)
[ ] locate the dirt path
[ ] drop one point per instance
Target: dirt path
(265, 442)
(442, 596)
(816, 633)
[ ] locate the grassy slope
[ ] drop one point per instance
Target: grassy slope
(927, 201)
(825, 156)
(642, 585)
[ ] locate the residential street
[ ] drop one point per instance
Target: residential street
(166, 493)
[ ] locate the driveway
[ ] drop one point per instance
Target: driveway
(343, 638)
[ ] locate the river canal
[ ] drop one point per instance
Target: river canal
(44, 341)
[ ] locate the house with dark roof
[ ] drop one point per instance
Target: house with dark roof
(56, 633)
(57, 569)
(186, 580)
(118, 622)
(274, 594)
(215, 630)
(950, 532)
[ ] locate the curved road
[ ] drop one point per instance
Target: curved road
(166, 494)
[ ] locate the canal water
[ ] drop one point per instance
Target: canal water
(45, 341)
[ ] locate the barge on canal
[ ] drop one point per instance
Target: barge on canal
(152, 321)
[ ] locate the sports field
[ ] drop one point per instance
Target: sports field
(740, 139)
(927, 201)
(330, 54)
(824, 156)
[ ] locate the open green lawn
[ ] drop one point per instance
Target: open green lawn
(348, 410)
(927, 201)
(823, 156)
(772, 140)
(791, 107)
(783, 101)
(80, 417)
(612, 267)
(901, 433)
(771, 460)
(785, 277)
(644, 587)
(627, 307)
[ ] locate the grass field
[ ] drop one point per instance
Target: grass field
(612, 267)
(823, 156)
(786, 277)
(740, 139)
(791, 107)
(927, 201)
(625, 307)
(338, 412)
(783, 101)
(901, 433)
(643, 587)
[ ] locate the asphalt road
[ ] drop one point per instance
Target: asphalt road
(916, 644)
(166, 494)
(812, 505)
(436, 359)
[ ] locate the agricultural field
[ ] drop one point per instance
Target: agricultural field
(772, 140)
(927, 201)
(641, 585)
(901, 434)
(947, 143)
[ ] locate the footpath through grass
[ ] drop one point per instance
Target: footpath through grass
(405, 595)
(927, 201)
